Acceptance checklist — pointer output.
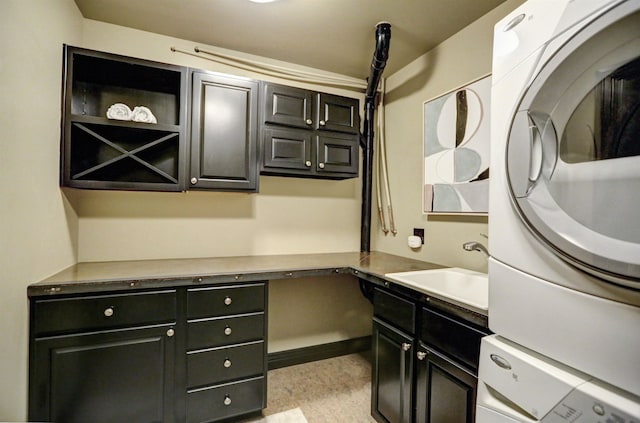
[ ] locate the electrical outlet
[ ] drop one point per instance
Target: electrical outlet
(419, 232)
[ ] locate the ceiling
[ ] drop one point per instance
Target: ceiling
(333, 35)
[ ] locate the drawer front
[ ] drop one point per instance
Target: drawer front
(55, 316)
(225, 401)
(210, 367)
(395, 310)
(457, 339)
(221, 331)
(225, 300)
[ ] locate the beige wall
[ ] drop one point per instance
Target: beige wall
(43, 231)
(464, 57)
(37, 227)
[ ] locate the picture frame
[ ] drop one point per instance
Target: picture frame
(456, 155)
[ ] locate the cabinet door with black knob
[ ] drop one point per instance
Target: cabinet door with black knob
(445, 391)
(104, 377)
(224, 152)
(392, 380)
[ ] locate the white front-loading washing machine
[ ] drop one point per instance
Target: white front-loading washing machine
(564, 212)
(517, 385)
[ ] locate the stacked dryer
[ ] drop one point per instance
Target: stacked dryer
(564, 214)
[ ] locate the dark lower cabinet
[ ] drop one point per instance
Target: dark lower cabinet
(116, 376)
(195, 355)
(425, 360)
(445, 391)
(392, 374)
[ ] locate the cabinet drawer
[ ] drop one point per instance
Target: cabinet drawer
(225, 300)
(216, 332)
(103, 312)
(455, 338)
(395, 310)
(225, 401)
(210, 367)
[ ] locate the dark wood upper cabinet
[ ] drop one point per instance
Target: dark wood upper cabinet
(308, 134)
(288, 106)
(103, 153)
(224, 133)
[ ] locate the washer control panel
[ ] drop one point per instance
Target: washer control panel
(593, 402)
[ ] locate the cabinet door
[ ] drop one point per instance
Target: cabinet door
(287, 149)
(119, 376)
(288, 106)
(392, 374)
(224, 152)
(337, 155)
(336, 113)
(445, 391)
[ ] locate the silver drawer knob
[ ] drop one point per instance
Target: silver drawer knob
(309, 121)
(194, 180)
(307, 163)
(406, 346)
(322, 123)
(321, 165)
(227, 400)
(227, 301)
(421, 355)
(227, 331)
(227, 363)
(108, 312)
(171, 332)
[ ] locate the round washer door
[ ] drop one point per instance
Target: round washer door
(573, 153)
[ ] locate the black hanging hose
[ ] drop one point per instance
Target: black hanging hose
(380, 56)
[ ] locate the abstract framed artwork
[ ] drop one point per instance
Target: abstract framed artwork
(456, 150)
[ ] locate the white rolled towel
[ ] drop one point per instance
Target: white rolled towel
(143, 114)
(119, 111)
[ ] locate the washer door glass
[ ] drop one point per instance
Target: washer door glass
(573, 154)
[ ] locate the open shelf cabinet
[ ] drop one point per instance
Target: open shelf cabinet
(103, 153)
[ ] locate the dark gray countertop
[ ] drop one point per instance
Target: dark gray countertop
(122, 275)
(95, 277)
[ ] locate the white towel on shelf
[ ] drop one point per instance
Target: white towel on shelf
(143, 114)
(119, 111)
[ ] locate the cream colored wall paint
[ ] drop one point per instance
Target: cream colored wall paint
(289, 215)
(38, 228)
(464, 57)
(330, 308)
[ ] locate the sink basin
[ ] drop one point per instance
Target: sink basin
(465, 287)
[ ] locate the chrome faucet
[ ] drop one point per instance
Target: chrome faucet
(475, 246)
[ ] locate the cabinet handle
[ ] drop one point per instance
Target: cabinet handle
(194, 180)
(406, 346)
(171, 332)
(321, 165)
(108, 312)
(227, 331)
(307, 163)
(227, 363)
(309, 121)
(322, 123)
(421, 355)
(227, 301)
(227, 400)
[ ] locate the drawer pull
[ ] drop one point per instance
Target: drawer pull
(406, 346)
(227, 400)
(108, 312)
(227, 363)
(227, 331)
(421, 355)
(227, 301)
